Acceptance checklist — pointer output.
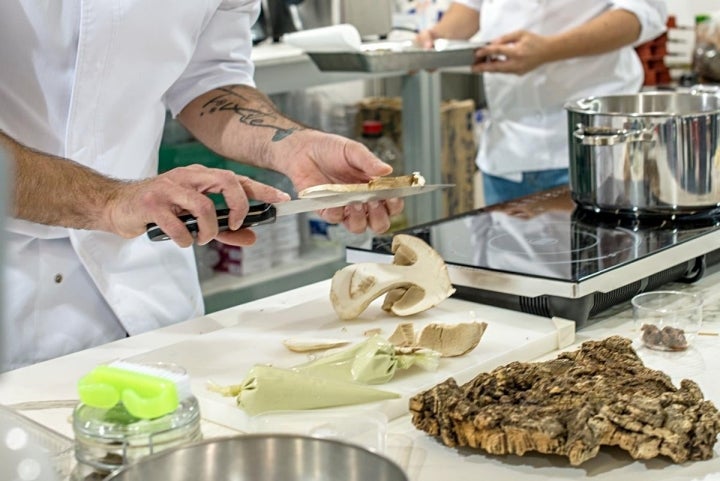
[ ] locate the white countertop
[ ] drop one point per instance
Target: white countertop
(36, 390)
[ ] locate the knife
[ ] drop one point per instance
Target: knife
(266, 213)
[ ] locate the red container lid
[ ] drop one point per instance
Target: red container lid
(372, 127)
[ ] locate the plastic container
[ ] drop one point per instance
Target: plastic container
(108, 439)
(31, 447)
(667, 320)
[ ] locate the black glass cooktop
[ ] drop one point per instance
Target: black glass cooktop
(539, 254)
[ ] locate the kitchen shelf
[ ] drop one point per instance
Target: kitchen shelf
(222, 291)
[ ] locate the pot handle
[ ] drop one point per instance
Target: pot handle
(705, 89)
(611, 136)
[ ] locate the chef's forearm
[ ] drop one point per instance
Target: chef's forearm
(240, 123)
(55, 191)
(607, 32)
(458, 22)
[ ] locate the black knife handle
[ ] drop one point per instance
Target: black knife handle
(257, 215)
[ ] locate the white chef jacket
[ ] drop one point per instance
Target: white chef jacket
(91, 80)
(527, 129)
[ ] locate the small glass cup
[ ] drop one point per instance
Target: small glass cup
(667, 320)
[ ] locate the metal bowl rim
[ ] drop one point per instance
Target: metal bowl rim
(169, 452)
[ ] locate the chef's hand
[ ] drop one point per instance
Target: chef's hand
(517, 52)
(324, 158)
(183, 190)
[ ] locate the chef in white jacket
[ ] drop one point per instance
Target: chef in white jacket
(91, 80)
(541, 54)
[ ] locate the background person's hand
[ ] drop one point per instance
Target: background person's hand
(425, 39)
(163, 198)
(324, 158)
(517, 52)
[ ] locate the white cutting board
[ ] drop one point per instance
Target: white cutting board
(226, 355)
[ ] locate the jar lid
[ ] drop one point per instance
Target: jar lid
(128, 411)
(372, 127)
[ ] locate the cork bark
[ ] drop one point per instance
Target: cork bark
(600, 395)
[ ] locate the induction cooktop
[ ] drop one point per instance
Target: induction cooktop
(541, 255)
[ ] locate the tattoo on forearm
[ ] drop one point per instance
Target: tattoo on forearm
(230, 101)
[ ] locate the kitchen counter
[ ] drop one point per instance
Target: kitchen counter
(45, 392)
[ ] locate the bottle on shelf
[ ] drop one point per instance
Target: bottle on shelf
(382, 145)
(385, 148)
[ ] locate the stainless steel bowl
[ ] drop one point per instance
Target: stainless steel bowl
(264, 457)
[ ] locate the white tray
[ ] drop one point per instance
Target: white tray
(397, 57)
(225, 356)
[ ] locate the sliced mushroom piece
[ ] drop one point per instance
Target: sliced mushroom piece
(309, 345)
(403, 336)
(425, 280)
(451, 340)
(380, 183)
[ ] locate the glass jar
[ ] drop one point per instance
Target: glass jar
(107, 439)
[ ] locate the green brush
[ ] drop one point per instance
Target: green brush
(146, 391)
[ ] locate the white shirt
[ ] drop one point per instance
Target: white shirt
(527, 129)
(91, 80)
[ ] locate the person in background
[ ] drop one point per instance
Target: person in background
(540, 55)
(91, 81)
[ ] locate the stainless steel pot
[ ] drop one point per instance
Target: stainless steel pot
(263, 457)
(646, 154)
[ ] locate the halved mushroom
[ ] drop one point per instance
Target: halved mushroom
(418, 277)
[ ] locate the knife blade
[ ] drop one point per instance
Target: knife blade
(266, 213)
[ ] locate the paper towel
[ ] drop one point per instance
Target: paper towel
(336, 38)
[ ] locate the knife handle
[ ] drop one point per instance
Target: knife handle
(257, 215)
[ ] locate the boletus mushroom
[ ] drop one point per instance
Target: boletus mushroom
(417, 279)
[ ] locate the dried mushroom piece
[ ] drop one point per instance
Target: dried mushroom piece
(451, 340)
(599, 395)
(667, 338)
(425, 281)
(403, 336)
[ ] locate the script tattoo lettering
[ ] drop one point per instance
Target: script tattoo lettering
(229, 101)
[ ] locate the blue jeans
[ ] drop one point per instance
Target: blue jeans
(499, 189)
